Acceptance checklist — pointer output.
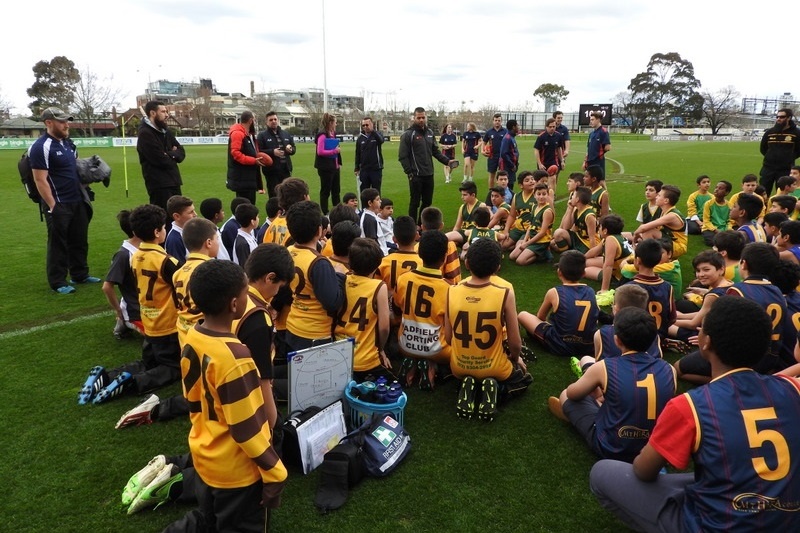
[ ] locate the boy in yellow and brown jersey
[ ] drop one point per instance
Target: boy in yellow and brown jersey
(202, 240)
(239, 471)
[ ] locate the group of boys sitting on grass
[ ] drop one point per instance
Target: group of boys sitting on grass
(469, 328)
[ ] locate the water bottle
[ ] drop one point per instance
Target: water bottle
(380, 393)
(367, 389)
(382, 380)
(395, 391)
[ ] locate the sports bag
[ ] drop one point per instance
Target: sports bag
(384, 444)
(26, 175)
(290, 446)
(341, 470)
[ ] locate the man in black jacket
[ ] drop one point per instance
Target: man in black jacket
(159, 154)
(417, 147)
(369, 156)
(279, 145)
(780, 146)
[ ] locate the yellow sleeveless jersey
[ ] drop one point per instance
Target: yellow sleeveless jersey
(476, 317)
(421, 295)
(359, 319)
(396, 264)
(278, 232)
(230, 439)
(188, 314)
(307, 318)
(153, 269)
(468, 215)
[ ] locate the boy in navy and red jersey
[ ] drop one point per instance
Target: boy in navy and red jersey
(491, 146)
(597, 145)
(745, 212)
(549, 148)
(661, 304)
(509, 152)
(567, 318)
(739, 431)
(636, 386)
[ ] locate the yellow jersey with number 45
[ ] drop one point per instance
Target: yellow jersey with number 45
(476, 318)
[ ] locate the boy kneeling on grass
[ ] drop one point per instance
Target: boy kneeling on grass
(477, 312)
(239, 471)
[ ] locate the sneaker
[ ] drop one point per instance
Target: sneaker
(95, 382)
(408, 370)
(465, 405)
(66, 289)
(575, 366)
(120, 329)
(447, 180)
(425, 382)
(676, 345)
(157, 491)
(554, 404)
(118, 385)
(139, 415)
(142, 478)
(526, 352)
(87, 279)
(487, 409)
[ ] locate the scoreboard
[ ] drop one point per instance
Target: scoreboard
(585, 112)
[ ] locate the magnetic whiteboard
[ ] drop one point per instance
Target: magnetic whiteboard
(319, 375)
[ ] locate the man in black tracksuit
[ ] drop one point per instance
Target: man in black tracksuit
(279, 145)
(780, 146)
(417, 147)
(369, 156)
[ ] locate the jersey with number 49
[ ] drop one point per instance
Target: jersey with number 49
(476, 318)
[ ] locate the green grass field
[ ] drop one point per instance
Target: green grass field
(66, 465)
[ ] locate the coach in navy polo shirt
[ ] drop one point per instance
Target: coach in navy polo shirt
(598, 145)
(53, 160)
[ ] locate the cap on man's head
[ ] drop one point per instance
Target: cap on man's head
(54, 113)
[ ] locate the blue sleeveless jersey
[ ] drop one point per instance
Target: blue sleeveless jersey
(660, 304)
(769, 297)
(608, 347)
(638, 386)
(575, 317)
(747, 455)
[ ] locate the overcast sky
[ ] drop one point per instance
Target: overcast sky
(409, 52)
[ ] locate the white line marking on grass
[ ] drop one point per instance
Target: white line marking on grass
(45, 327)
(621, 167)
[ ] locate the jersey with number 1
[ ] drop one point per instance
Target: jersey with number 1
(637, 387)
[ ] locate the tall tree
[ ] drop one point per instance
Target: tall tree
(720, 108)
(260, 105)
(630, 113)
(93, 99)
(5, 107)
(54, 84)
(668, 87)
(552, 93)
